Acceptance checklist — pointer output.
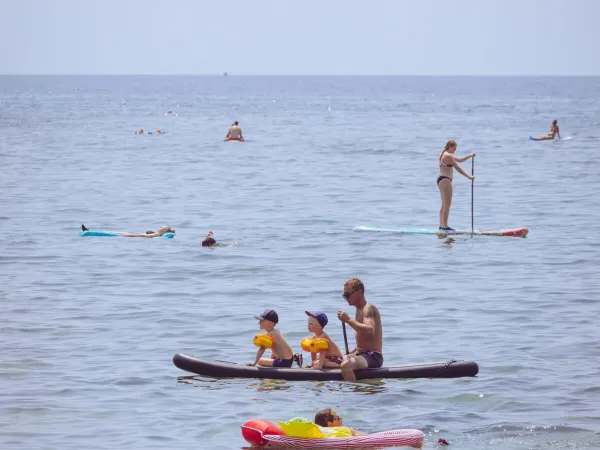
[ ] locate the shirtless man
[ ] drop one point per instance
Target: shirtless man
(369, 335)
(235, 132)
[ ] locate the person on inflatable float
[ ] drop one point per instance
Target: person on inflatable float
(324, 352)
(148, 234)
(329, 418)
(281, 352)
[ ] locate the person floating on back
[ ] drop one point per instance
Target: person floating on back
(324, 352)
(369, 334)
(148, 234)
(554, 131)
(281, 352)
(234, 133)
(446, 162)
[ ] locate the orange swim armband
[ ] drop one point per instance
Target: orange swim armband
(262, 340)
(314, 345)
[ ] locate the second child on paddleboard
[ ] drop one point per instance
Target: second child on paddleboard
(369, 334)
(447, 162)
(281, 352)
(329, 358)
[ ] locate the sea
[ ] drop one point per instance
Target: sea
(89, 326)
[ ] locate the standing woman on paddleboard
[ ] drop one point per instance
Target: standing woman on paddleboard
(447, 162)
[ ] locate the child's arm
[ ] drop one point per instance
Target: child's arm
(321, 361)
(357, 433)
(259, 354)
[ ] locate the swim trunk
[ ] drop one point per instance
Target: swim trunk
(280, 362)
(336, 359)
(374, 359)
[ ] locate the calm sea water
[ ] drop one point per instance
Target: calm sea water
(89, 326)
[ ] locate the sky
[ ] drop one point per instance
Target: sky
(308, 37)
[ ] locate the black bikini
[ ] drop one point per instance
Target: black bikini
(441, 177)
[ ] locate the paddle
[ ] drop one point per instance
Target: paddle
(345, 337)
(472, 194)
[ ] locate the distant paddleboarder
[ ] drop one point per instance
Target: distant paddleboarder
(447, 162)
(554, 131)
(234, 133)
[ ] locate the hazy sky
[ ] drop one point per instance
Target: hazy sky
(545, 37)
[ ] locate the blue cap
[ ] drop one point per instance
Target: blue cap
(268, 314)
(320, 316)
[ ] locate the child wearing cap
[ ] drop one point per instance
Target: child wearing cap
(326, 359)
(281, 352)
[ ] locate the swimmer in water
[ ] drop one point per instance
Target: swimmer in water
(209, 241)
(447, 163)
(141, 131)
(148, 234)
(554, 131)
(235, 132)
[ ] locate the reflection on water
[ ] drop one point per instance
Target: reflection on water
(263, 385)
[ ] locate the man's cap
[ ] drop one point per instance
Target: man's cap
(320, 316)
(268, 314)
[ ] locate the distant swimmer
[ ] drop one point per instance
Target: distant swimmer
(447, 162)
(234, 133)
(140, 131)
(554, 131)
(210, 241)
(148, 234)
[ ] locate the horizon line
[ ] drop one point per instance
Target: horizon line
(227, 74)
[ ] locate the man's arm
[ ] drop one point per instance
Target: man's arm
(368, 323)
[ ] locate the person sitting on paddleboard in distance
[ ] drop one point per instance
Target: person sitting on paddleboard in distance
(323, 359)
(234, 133)
(446, 162)
(329, 418)
(281, 352)
(148, 234)
(554, 131)
(209, 241)
(369, 334)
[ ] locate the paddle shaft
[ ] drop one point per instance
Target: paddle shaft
(472, 194)
(345, 337)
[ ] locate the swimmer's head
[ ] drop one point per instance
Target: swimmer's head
(209, 241)
(554, 122)
(164, 229)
